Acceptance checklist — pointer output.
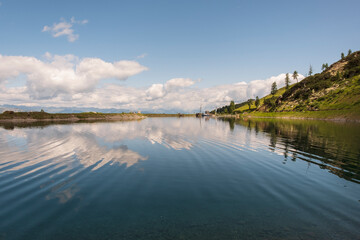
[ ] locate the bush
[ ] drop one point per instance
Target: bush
(270, 103)
(302, 94)
(353, 61)
(300, 107)
(8, 112)
(352, 72)
(321, 85)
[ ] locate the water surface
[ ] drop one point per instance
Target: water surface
(180, 178)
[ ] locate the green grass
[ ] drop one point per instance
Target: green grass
(331, 114)
(245, 108)
(347, 96)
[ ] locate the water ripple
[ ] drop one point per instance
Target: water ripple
(173, 178)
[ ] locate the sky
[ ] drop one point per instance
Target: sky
(164, 55)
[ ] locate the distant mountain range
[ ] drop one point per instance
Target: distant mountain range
(21, 108)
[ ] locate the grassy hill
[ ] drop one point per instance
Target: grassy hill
(245, 107)
(334, 93)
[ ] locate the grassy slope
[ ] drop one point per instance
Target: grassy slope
(332, 94)
(245, 108)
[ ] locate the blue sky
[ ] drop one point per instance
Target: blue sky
(212, 43)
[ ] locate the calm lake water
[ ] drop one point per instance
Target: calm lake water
(180, 178)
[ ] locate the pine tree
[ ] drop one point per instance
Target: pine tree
(257, 101)
(287, 80)
(249, 102)
(273, 88)
(324, 66)
(342, 55)
(310, 70)
(295, 75)
(349, 52)
(232, 107)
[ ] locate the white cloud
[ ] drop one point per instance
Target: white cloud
(155, 91)
(263, 87)
(70, 81)
(64, 74)
(160, 90)
(177, 83)
(64, 28)
(177, 94)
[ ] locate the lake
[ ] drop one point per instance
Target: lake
(180, 178)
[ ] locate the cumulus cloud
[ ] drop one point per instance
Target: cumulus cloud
(64, 74)
(155, 91)
(176, 83)
(160, 90)
(177, 94)
(64, 28)
(154, 98)
(61, 81)
(263, 87)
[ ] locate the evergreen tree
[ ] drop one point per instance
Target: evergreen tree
(257, 101)
(295, 75)
(273, 88)
(310, 70)
(349, 52)
(342, 55)
(287, 80)
(249, 102)
(232, 107)
(324, 66)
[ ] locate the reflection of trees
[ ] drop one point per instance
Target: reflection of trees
(286, 150)
(273, 136)
(256, 128)
(331, 146)
(249, 126)
(231, 122)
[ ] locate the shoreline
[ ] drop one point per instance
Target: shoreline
(72, 118)
(307, 118)
(334, 116)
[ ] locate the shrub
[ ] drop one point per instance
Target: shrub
(300, 107)
(302, 94)
(270, 103)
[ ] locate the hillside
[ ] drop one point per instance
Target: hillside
(333, 93)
